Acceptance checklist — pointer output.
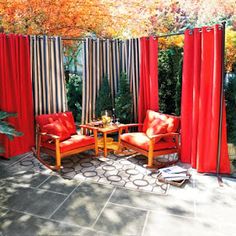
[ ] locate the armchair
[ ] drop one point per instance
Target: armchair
(56, 135)
(158, 135)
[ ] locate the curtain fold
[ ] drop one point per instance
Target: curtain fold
(48, 75)
(16, 91)
(148, 88)
(108, 58)
(200, 110)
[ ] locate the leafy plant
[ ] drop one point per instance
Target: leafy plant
(6, 128)
(170, 74)
(123, 101)
(74, 95)
(104, 99)
(230, 95)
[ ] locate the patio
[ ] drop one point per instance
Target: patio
(94, 94)
(37, 201)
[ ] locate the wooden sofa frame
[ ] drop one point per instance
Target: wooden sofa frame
(150, 153)
(57, 154)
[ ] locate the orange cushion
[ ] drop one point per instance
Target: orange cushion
(150, 117)
(173, 126)
(56, 128)
(65, 117)
(76, 141)
(140, 139)
(158, 126)
(68, 120)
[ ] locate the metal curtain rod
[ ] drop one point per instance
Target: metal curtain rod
(83, 39)
(169, 35)
(158, 36)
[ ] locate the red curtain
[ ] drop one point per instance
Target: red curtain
(148, 88)
(200, 109)
(16, 91)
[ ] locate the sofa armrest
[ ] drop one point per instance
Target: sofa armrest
(172, 134)
(88, 127)
(49, 135)
(127, 126)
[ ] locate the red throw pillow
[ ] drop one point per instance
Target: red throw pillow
(57, 128)
(68, 121)
(150, 117)
(158, 126)
(173, 124)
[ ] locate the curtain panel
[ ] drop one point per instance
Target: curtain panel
(47, 70)
(130, 64)
(148, 90)
(16, 92)
(200, 109)
(108, 58)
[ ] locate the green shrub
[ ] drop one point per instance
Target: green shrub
(104, 99)
(230, 96)
(74, 96)
(123, 101)
(170, 74)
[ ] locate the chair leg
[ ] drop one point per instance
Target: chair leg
(150, 159)
(58, 155)
(95, 132)
(38, 145)
(58, 161)
(150, 153)
(96, 150)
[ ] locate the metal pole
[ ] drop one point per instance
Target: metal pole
(221, 106)
(169, 35)
(158, 36)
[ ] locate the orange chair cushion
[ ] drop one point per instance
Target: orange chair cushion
(76, 141)
(65, 117)
(141, 140)
(56, 128)
(158, 126)
(150, 117)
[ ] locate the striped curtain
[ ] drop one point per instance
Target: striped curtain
(108, 58)
(130, 64)
(47, 75)
(101, 58)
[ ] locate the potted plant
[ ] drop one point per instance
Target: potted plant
(6, 128)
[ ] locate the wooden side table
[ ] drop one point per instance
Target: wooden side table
(105, 131)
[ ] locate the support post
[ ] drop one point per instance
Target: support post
(221, 106)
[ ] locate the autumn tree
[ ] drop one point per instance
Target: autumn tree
(59, 17)
(117, 19)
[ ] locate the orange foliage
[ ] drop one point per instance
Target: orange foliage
(230, 46)
(116, 19)
(58, 17)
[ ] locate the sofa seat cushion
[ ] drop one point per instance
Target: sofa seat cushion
(141, 140)
(65, 117)
(56, 128)
(75, 141)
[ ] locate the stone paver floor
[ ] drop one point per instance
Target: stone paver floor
(36, 202)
